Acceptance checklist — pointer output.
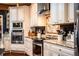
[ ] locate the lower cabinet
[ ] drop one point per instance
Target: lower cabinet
(50, 51)
(28, 46)
(57, 50)
(17, 47)
(7, 43)
(53, 53)
(67, 52)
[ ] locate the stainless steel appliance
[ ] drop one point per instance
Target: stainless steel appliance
(17, 34)
(17, 24)
(38, 47)
(17, 37)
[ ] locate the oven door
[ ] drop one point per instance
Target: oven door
(17, 39)
(17, 25)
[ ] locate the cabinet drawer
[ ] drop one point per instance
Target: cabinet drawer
(55, 47)
(65, 54)
(17, 47)
(68, 51)
(54, 53)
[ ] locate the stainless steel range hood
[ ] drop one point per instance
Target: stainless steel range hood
(45, 9)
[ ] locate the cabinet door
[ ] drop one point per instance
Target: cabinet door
(67, 52)
(28, 46)
(54, 13)
(18, 47)
(13, 13)
(21, 13)
(71, 12)
(64, 54)
(46, 49)
(7, 43)
(33, 21)
(51, 50)
(54, 53)
(61, 12)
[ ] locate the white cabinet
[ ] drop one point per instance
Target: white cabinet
(33, 10)
(46, 49)
(71, 12)
(13, 13)
(56, 50)
(21, 13)
(59, 13)
(53, 13)
(51, 50)
(67, 51)
(7, 43)
(17, 13)
(62, 12)
(28, 46)
(18, 47)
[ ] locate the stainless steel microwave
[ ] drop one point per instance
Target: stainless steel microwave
(17, 24)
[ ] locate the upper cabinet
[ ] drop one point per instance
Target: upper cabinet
(33, 14)
(61, 13)
(53, 13)
(13, 13)
(21, 11)
(71, 12)
(17, 13)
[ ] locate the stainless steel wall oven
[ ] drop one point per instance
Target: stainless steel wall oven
(17, 37)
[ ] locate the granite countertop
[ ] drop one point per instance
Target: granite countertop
(68, 44)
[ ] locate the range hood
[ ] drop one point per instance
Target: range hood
(45, 10)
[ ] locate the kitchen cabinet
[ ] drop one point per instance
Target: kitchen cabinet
(67, 51)
(53, 13)
(28, 46)
(71, 12)
(17, 13)
(7, 42)
(33, 10)
(57, 50)
(62, 12)
(52, 50)
(22, 13)
(17, 47)
(59, 13)
(13, 13)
